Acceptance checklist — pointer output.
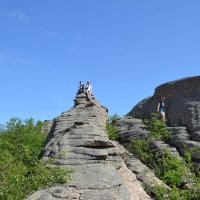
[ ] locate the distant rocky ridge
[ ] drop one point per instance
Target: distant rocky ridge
(78, 140)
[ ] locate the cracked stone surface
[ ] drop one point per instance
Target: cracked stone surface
(182, 113)
(78, 140)
(182, 103)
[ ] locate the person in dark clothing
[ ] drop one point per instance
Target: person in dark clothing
(81, 88)
(161, 108)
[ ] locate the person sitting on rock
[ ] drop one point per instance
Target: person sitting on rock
(81, 88)
(161, 108)
(88, 90)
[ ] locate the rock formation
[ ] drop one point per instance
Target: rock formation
(78, 140)
(182, 100)
(103, 169)
(182, 140)
(183, 113)
(47, 124)
(129, 129)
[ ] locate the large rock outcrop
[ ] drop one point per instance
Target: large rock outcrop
(182, 100)
(78, 140)
(183, 114)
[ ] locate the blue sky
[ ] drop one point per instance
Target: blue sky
(126, 48)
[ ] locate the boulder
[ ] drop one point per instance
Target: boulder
(129, 128)
(196, 136)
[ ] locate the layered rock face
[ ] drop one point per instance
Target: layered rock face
(78, 140)
(129, 129)
(182, 103)
(182, 111)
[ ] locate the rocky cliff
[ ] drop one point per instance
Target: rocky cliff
(183, 127)
(182, 111)
(182, 103)
(78, 140)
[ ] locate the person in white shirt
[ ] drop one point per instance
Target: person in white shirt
(88, 90)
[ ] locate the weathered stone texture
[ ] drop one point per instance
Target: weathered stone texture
(130, 128)
(182, 111)
(46, 126)
(78, 140)
(182, 103)
(183, 141)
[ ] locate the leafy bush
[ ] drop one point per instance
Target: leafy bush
(157, 127)
(113, 118)
(21, 170)
(140, 147)
(112, 131)
(173, 171)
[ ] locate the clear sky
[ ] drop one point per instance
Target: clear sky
(125, 47)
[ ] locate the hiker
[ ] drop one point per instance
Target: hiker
(88, 90)
(161, 108)
(81, 88)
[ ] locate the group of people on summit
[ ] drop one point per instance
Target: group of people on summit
(87, 89)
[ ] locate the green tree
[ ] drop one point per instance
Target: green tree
(112, 130)
(21, 170)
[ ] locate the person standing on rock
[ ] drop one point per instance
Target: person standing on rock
(161, 108)
(88, 90)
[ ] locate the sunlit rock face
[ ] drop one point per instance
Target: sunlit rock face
(182, 103)
(78, 140)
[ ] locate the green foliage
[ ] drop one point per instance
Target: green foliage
(175, 172)
(172, 170)
(160, 192)
(137, 115)
(157, 127)
(141, 149)
(113, 118)
(21, 171)
(112, 131)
